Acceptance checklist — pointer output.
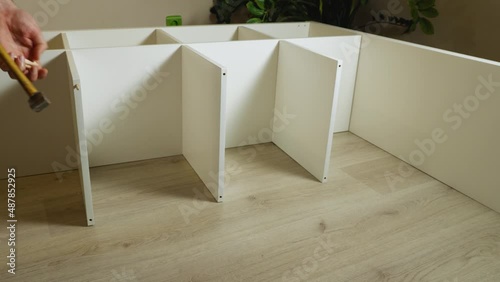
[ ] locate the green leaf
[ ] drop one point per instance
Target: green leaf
(364, 2)
(413, 26)
(430, 13)
(254, 10)
(415, 15)
(426, 26)
(426, 4)
(261, 4)
(254, 20)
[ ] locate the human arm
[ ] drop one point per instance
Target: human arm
(22, 38)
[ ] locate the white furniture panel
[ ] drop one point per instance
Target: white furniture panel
(82, 39)
(164, 38)
(307, 88)
(321, 29)
(343, 47)
(245, 33)
(37, 143)
(251, 87)
(80, 138)
(437, 110)
(283, 30)
(301, 30)
(56, 40)
(131, 101)
(346, 49)
(217, 33)
(202, 34)
(203, 118)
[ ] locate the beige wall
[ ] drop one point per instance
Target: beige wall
(464, 26)
(91, 14)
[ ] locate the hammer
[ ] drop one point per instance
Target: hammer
(37, 101)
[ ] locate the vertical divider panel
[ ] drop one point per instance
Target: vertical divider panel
(164, 38)
(56, 40)
(307, 91)
(245, 33)
(80, 138)
(251, 87)
(204, 118)
(65, 41)
(347, 49)
(132, 106)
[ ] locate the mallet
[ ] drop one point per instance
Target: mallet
(37, 101)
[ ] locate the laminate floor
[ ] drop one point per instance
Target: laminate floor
(155, 222)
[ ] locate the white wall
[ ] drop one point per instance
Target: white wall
(92, 14)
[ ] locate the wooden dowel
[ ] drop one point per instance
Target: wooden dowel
(29, 64)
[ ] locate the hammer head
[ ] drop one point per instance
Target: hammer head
(38, 102)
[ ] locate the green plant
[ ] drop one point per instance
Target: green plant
(421, 10)
(335, 12)
(223, 9)
(282, 11)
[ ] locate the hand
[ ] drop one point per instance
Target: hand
(22, 38)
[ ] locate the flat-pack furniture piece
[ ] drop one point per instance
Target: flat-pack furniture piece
(135, 94)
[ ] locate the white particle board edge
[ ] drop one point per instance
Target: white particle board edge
(132, 106)
(251, 87)
(307, 91)
(346, 49)
(434, 109)
(80, 139)
(203, 118)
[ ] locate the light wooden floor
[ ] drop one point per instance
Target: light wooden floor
(277, 224)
